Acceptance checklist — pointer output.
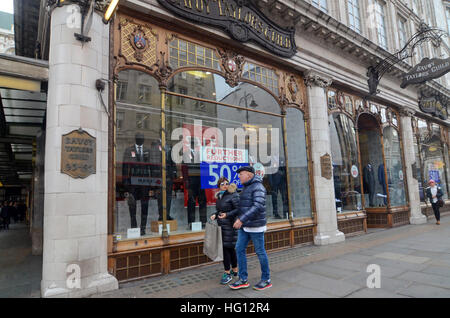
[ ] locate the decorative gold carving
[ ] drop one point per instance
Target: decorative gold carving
(232, 63)
(291, 92)
(137, 43)
(163, 70)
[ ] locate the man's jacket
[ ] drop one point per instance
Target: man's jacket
(252, 204)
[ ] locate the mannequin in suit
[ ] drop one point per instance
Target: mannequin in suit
(136, 164)
(369, 182)
(277, 182)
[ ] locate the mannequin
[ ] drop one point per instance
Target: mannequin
(136, 164)
(277, 182)
(369, 182)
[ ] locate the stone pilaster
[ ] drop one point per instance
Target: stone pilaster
(410, 158)
(75, 210)
(327, 230)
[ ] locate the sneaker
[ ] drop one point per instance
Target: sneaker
(264, 284)
(226, 278)
(240, 284)
(233, 273)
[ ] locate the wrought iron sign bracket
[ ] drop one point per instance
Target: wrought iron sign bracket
(424, 34)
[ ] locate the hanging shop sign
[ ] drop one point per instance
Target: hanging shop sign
(435, 105)
(240, 18)
(426, 70)
(78, 154)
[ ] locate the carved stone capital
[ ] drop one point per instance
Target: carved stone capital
(406, 112)
(314, 78)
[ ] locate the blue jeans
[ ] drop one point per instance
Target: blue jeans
(241, 247)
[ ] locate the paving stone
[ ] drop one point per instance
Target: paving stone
(375, 293)
(424, 291)
(438, 270)
(328, 271)
(403, 257)
(323, 284)
(427, 279)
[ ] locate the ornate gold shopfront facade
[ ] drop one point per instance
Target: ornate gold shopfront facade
(368, 163)
(177, 96)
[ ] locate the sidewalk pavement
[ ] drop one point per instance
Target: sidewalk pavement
(414, 262)
(20, 272)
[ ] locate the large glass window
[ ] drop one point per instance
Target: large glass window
(197, 129)
(354, 20)
(138, 156)
(211, 130)
(375, 192)
(380, 22)
(298, 164)
(432, 153)
(346, 171)
(394, 167)
(320, 4)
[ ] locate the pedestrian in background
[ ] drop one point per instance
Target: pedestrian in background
(227, 202)
(251, 222)
(5, 215)
(434, 194)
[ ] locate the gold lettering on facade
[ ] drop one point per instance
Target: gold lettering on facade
(188, 4)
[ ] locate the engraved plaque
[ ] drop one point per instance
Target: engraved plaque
(325, 166)
(78, 154)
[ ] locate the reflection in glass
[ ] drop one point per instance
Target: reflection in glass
(394, 167)
(346, 171)
(374, 185)
(298, 164)
(138, 163)
(197, 128)
(433, 159)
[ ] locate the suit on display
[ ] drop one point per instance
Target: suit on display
(369, 182)
(136, 170)
(277, 182)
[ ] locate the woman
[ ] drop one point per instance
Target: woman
(227, 201)
(434, 193)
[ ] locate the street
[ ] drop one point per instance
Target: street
(413, 261)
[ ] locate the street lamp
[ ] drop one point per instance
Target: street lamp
(252, 103)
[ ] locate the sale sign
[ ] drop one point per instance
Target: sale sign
(219, 154)
(211, 172)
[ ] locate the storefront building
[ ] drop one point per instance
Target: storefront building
(187, 102)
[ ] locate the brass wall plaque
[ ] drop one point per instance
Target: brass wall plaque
(78, 154)
(326, 167)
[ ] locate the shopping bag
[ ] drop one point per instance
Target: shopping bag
(212, 246)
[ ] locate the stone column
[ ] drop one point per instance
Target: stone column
(75, 210)
(327, 231)
(410, 158)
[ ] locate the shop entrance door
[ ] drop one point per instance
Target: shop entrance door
(373, 176)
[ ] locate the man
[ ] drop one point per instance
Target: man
(251, 223)
(434, 194)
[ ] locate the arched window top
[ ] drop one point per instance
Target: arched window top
(204, 85)
(136, 87)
